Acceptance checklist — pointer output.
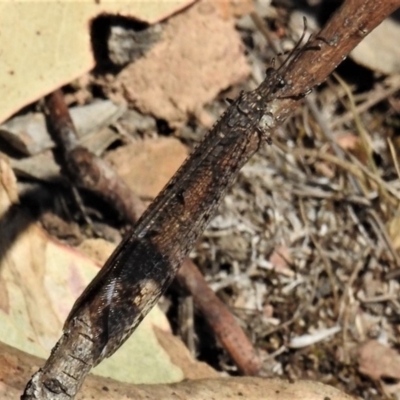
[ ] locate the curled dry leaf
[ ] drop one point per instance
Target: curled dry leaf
(200, 54)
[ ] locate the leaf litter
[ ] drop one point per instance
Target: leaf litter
(304, 247)
(325, 198)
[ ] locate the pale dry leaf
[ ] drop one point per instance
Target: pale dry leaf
(41, 166)
(234, 8)
(47, 44)
(9, 194)
(29, 133)
(280, 260)
(241, 388)
(377, 361)
(348, 141)
(380, 51)
(147, 165)
(199, 55)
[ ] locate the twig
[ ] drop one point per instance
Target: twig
(220, 319)
(394, 155)
(85, 169)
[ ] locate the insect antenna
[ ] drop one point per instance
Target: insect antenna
(296, 51)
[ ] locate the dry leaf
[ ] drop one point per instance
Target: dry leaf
(29, 133)
(146, 166)
(380, 51)
(235, 8)
(281, 259)
(377, 361)
(348, 141)
(208, 55)
(48, 43)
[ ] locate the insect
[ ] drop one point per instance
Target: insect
(147, 260)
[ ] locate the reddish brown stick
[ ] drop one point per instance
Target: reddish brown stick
(220, 319)
(83, 168)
